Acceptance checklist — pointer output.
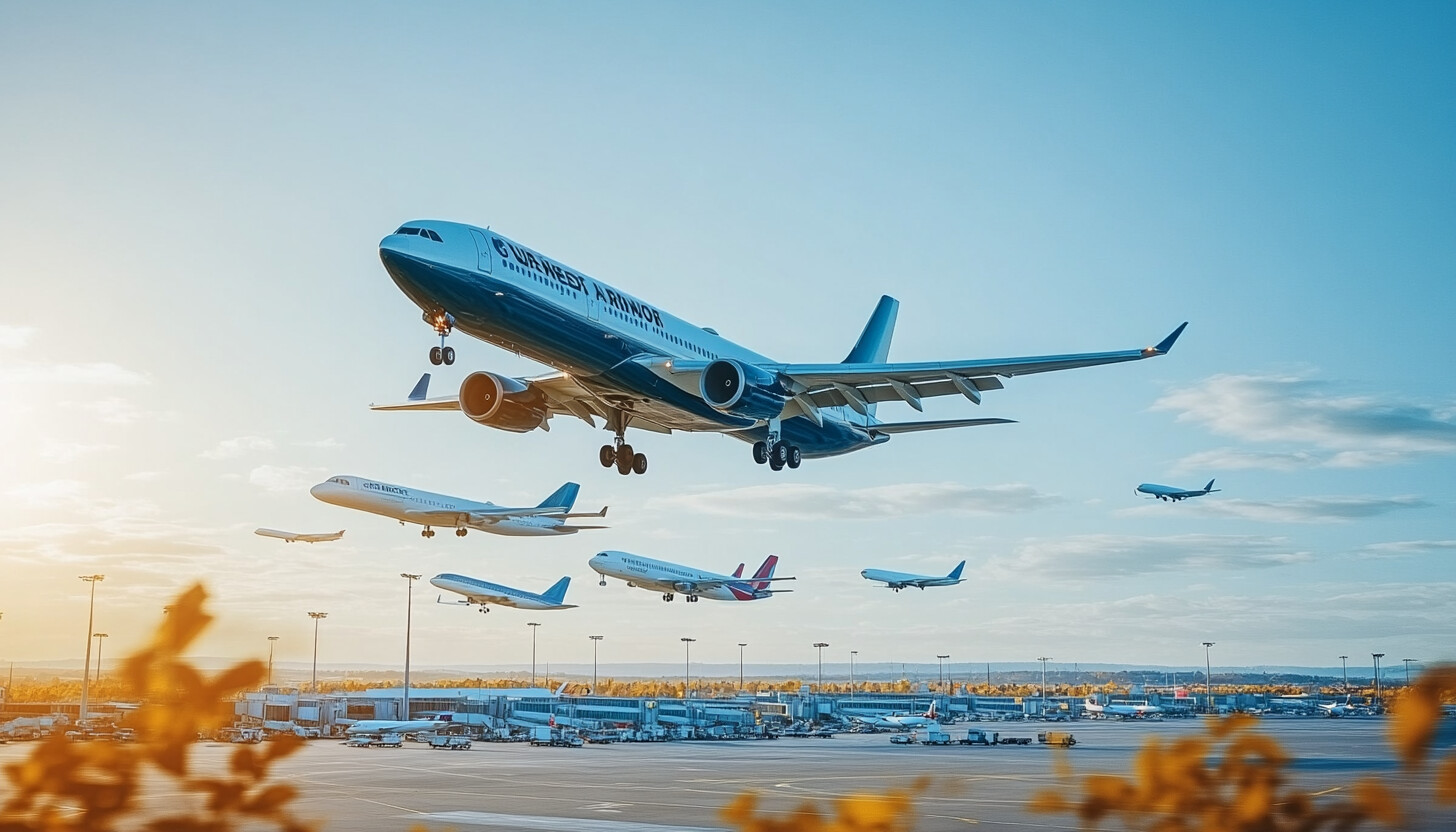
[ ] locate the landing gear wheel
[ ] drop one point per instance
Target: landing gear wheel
(448, 354)
(602, 582)
(427, 533)
(437, 355)
(760, 452)
(795, 456)
(667, 596)
(624, 460)
(778, 455)
(460, 532)
(608, 456)
(639, 463)
(773, 462)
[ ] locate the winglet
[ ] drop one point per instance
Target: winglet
(1165, 345)
(422, 388)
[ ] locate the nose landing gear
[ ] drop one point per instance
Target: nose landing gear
(442, 322)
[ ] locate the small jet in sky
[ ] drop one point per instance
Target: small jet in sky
(291, 537)
(409, 505)
(899, 580)
(669, 578)
(634, 365)
(484, 593)
(1168, 492)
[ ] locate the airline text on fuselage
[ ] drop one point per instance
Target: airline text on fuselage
(525, 257)
(388, 489)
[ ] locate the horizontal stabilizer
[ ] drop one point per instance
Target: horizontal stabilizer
(938, 424)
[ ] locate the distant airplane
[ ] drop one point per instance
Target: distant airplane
(669, 578)
(1168, 492)
(291, 537)
(484, 593)
(1338, 709)
(1125, 711)
(409, 505)
(901, 721)
(899, 580)
(634, 365)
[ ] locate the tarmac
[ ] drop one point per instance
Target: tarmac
(657, 787)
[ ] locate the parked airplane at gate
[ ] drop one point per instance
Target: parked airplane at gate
(484, 593)
(670, 578)
(1125, 711)
(1338, 709)
(902, 721)
(634, 365)
(899, 580)
(1168, 492)
(292, 537)
(410, 505)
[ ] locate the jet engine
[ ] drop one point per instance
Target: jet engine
(685, 587)
(742, 389)
(502, 402)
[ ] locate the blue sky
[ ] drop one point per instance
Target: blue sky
(196, 317)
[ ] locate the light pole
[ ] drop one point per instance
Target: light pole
(409, 610)
(90, 620)
(1043, 660)
(687, 663)
(595, 641)
(271, 641)
(741, 645)
(942, 670)
(852, 654)
(99, 637)
(1407, 670)
(1345, 672)
(317, 617)
(533, 625)
(821, 645)
(1208, 675)
(1377, 657)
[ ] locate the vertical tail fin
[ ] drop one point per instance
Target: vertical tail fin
(1208, 487)
(955, 573)
(765, 571)
(563, 497)
(557, 593)
(873, 346)
(931, 713)
(738, 573)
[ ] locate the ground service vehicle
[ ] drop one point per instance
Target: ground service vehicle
(935, 737)
(390, 741)
(451, 743)
(976, 736)
(1061, 738)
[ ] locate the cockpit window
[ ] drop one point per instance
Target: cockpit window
(433, 236)
(423, 232)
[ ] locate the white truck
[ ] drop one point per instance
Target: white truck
(450, 742)
(935, 736)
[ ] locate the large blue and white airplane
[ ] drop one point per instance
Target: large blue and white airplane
(899, 580)
(485, 593)
(1168, 492)
(634, 365)
(428, 509)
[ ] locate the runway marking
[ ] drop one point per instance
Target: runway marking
(1326, 791)
(553, 824)
(606, 807)
(390, 805)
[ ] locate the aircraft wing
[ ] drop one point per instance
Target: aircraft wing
(474, 517)
(563, 395)
(860, 385)
(721, 582)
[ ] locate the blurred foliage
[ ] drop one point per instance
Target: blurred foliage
(890, 812)
(65, 785)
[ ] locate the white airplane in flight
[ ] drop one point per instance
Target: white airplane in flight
(634, 365)
(1118, 709)
(410, 505)
(669, 578)
(291, 537)
(484, 593)
(899, 580)
(1168, 492)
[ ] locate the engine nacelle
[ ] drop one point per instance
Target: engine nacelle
(685, 587)
(502, 402)
(742, 390)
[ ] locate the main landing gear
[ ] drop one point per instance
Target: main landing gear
(460, 532)
(776, 452)
(442, 322)
(691, 599)
(484, 608)
(427, 532)
(620, 454)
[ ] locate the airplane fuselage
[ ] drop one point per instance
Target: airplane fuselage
(674, 578)
(506, 294)
(481, 592)
(397, 501)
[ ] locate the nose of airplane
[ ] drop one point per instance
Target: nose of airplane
(320, 491)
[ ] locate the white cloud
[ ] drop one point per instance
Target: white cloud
(328, 442)
(1401, 548)
(284, 478)
(52, 494)
(1232, 459)
(1112, 556)
(63, 453)
(1297, 510)
(118, 411)
(143, 476)
(1353, 431)
(821, 502)
(14, 337)
(238, 446)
